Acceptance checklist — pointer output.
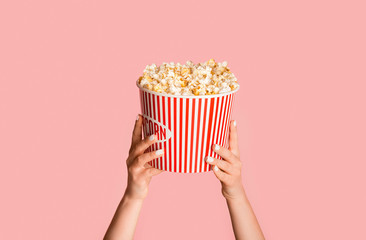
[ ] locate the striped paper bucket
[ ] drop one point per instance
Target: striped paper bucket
(186, 126)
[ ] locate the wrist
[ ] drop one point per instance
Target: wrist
(131, 195)
(234, 192)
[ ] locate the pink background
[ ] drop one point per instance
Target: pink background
(68, 102)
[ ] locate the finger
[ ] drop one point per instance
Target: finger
(148, 165)
(233, 139)
(147, 157)
(225, 153)
(137, 131)
(141, 146)
(223, 177)
(154, 171)
(223, 165)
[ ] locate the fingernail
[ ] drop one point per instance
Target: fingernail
(234, 123)
(209, 159)
(217, 147)
(216, 168)
(138, 117)
(152, 137)
(159, 152)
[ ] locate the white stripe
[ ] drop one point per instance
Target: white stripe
(194, 135)
(162, 166)
(210, 153)
(224, 119)
(228, 129)
(156, 119)
(199, 156)
(189, 135)
(177, 162)
(183, 131)
(217, 123)
(145, 128)
(232, 106)
(172, 126)
(166, 124)
(205, 137)
(227, 123)
(221, 125)
(212, 124)
(152, 130)
(148, 114)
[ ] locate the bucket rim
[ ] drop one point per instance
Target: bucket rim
(187, 96)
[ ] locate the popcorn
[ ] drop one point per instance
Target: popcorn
(205, 78)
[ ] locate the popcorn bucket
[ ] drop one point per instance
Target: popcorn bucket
(186, 127)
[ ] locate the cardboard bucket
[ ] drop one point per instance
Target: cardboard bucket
(186, 126)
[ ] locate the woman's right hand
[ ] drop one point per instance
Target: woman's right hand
(140, 171)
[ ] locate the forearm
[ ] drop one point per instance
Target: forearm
(245, 224)
(125, 219)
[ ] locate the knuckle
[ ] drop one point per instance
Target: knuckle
(223, 165)
(133, 149)
(135, 178)
(229, 168)
(240, 164)
(152, 155)
(225, 178)
(138, 148)
(218, 163)
(140, 159)
(231, 155)
(218, 175)
(131, 169)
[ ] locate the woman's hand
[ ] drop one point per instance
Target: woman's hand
(139, 176)
(139, 170)
(228, 170)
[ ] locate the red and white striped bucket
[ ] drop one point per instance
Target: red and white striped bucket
(186, 126)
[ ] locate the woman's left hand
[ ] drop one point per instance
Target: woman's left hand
(228, 170)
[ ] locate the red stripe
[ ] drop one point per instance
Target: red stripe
(203, 134)
(153, 108)
(192, 130)
(142, 106)
(147, 126)
(170, 140)
(210, 116)
(198, 131)
(175, 134)
(232, 105)
(158, 108)
(164, 123)
(145, 113)
(180, 135)
(224, 118)
(228, 127)
(186, 134)
(141, 100)
(226, 122)
(220, 121)
(148, 114)
(151, 130)
(214, 127)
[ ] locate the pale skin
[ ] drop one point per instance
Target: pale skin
(228, 172)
